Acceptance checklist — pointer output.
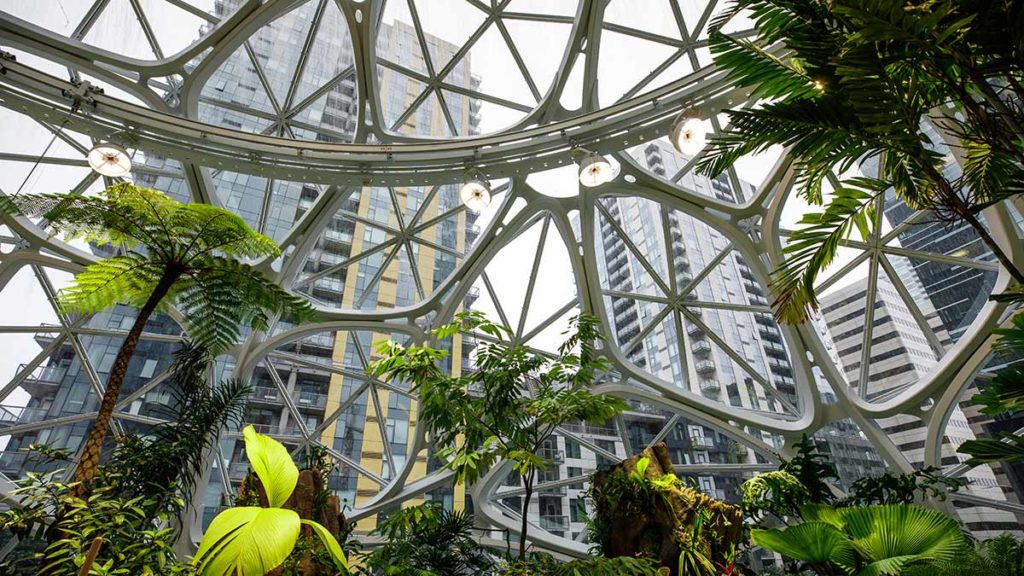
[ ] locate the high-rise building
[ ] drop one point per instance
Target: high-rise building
(898, 356)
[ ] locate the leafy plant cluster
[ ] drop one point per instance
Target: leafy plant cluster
(509, 406)
(135, 501)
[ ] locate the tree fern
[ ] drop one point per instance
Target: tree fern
(173, 254)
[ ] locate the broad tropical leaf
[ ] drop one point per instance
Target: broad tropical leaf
(893, 536)
(812, 542)
(247, 541)
(987, 450)
(273, 464)
(333, 548)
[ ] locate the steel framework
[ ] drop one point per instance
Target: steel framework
(162, 119)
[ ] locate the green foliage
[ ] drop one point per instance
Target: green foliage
(168, 459)
(1002, 555)
(597, 566)
(427, 540)
(813, 470)
(892, 488)
(510, 405)
(251, 541)
(868, 541)
(845, 81)
(777, 493)
(188, 250)
(136, 539)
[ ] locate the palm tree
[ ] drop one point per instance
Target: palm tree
(846, 81)
(867, 541)
(171, 253)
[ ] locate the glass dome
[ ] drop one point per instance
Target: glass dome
(344, 129)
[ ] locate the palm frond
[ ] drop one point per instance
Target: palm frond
(988, 450)
(814, 246)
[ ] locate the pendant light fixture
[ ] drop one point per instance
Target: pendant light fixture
(476, 191)
(110, 160)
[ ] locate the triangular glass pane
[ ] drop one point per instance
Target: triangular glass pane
(330, 54)
(492, 62)
(273, 48)
(443, 39)
(118, 30)
(628, 319)
(853, 454)
(541, 45)
(620, 69)
(842, 314)
(621, 269)
(237, 82)
(397, 41)
(402, 92)
(175, 28)
(510, 276)
(330, 118)
(657, 17)
(551, 336)
(554, 285)
(955, 294)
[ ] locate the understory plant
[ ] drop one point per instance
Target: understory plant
(168, 254)
(427, 540)
(136, 499)
(253, 540)
(509, 405)
(867, 540)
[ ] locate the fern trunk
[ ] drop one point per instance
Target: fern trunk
(94, 443)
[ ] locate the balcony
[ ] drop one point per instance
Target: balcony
(12, 462)
(313, 400)
(700, 347)
(265, 395)
(43, 380)
(711, 386)
(693, 330)
(552, 455)
(704, 367)
(16, 415)
(554, 523)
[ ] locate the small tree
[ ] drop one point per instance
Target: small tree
(177, 254)
(509, 406)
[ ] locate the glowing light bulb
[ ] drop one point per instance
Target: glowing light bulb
(595, 170)
(475, 193)
(110, 160)
(689, 134)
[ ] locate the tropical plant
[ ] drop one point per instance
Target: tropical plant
(253, 540)
(166, 461)
(867, 541)
(850, 82)
(1002, 555)
(694, 552)
(594, 566)
(813, 469)
(185, 255)
(889, 488)
(132, 532)
(428, 540)
(1003, 395)
(509, 406)
(776, 494)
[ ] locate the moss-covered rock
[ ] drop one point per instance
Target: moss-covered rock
(653, 517)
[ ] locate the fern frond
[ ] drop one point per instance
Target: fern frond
(127, 279)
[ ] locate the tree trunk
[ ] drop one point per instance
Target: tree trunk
(94, 443)
(528, 481)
